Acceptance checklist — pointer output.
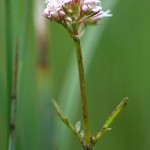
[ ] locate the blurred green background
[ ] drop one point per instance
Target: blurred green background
(116, 59)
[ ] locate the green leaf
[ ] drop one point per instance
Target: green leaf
(78, 126)
(66, 121)
(111, 118)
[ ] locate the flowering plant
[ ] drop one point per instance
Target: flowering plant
(75, 15)
(75, 12)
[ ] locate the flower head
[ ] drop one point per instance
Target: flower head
(75, 11)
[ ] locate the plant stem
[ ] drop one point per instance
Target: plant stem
(82, 91)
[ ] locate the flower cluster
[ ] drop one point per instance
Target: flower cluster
(75, 11)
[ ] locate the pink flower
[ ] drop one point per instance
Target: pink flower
(75, 11)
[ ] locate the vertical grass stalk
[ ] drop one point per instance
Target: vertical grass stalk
(9, 49)
(12, 145)
(19, 65)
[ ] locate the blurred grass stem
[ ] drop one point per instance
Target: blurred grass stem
(20, 56)
(9, 48)
(13, 102)
(87, 133)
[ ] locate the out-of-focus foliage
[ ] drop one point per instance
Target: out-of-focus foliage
(118, 67)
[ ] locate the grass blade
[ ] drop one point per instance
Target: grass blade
(9, 52)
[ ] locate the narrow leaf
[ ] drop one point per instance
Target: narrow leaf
(111, 118)
(65, 120)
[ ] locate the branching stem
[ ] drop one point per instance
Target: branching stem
(88, 141)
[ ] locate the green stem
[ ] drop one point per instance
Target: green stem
(82, 91)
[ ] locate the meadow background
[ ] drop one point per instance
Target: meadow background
(117, 64)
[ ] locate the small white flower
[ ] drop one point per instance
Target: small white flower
(100, 15)
(91, 5)
(66, 1)
(106, 14)
(53, 7)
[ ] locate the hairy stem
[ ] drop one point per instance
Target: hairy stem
(82, 91)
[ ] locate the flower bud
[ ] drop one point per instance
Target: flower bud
(84, 8)
(61, 14)
(68, 19)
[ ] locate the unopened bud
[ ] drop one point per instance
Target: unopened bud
(69, 19)
(49, 16)
(84, 8)
(70, 10)
(61, 14)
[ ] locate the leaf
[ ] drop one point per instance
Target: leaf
(111, 118)
(78, 126)
(82, 133)
(66, 121)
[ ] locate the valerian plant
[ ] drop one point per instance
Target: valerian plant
(74, 16)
